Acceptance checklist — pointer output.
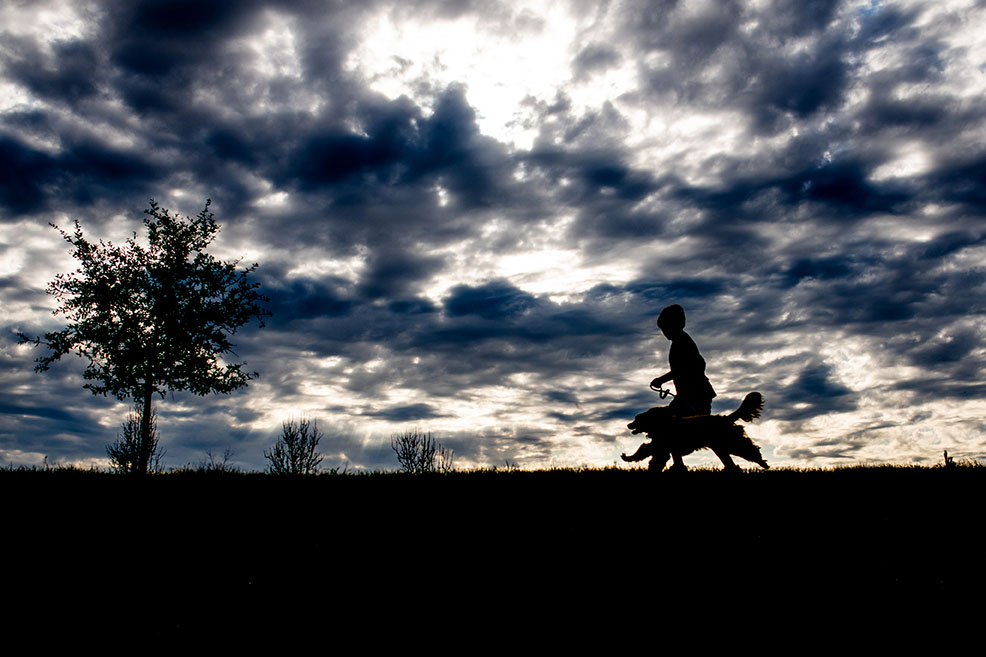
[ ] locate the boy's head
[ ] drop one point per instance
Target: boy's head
(671, 321)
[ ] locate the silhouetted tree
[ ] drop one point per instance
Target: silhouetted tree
(155, 318)
(419, 453)
(296, 451)
(124, 453)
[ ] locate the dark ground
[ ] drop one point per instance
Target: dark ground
(623, 552)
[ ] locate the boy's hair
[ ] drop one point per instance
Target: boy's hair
(672, 318)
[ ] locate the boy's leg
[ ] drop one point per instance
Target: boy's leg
(680, 408)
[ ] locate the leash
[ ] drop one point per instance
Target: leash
(663, 392)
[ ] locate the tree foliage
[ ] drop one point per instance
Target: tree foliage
(154, 317)
(296, 451)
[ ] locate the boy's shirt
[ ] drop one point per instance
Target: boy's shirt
(688, 370)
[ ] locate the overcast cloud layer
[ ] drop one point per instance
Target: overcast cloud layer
(468, 215)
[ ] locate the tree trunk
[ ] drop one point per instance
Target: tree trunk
(144, 451)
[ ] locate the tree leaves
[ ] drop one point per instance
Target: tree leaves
(160, 314)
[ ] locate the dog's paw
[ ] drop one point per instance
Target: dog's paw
(624, 457)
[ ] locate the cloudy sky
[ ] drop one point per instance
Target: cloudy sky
(467, 216)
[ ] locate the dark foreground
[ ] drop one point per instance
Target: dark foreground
(492, 553)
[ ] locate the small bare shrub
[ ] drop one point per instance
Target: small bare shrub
(296, 451)
(124, 452)
(418, 453)
(215, 463)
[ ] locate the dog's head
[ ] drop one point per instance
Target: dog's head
(651, 421)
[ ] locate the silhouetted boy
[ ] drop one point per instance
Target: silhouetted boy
(693, 392)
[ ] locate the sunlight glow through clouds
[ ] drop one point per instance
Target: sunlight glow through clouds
(560, 274)
(274, 51)
(47, 22)
(911, 159)
(680, 139)
(53, 21)
(499, 68)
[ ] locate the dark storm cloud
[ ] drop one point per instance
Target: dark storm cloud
(801, 18)
(84, 171)
(305, 299)
(23, 177)
(396, 274)
(841, 189)
(495, 300)
(391, 137)
(185, 34)
(407, 413)
(593, 58)
(962, 182)
(798, 86)
(65, 76)
(814, 392)
(43, 412)
(497, 330)
(954, 347)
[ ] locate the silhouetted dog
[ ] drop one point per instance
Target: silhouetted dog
(672, 434)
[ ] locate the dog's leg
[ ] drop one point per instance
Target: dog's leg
(747, 449)
(727, 460)
(657, 461)
(678, 464)
(645, 450)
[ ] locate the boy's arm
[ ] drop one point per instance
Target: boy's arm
(661, 380)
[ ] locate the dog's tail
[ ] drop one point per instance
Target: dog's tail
(749, 410)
